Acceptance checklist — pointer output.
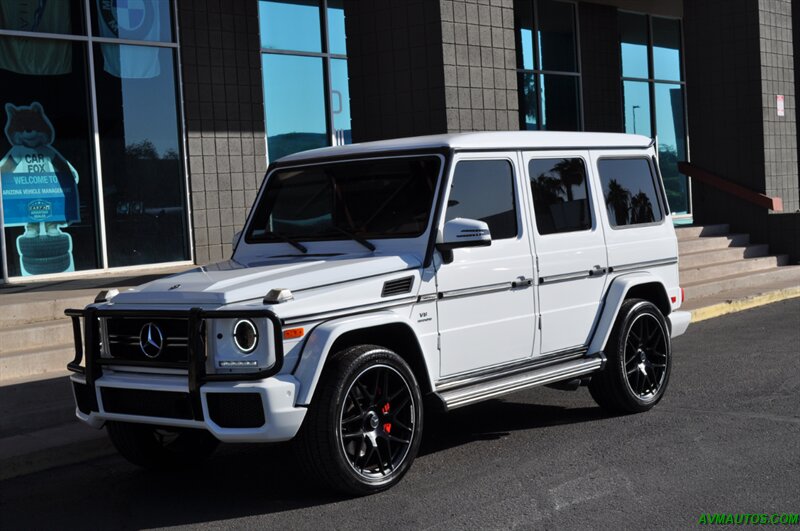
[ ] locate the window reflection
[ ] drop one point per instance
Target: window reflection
(340, 102)
(294, 102)
(672, 143)
(60, 16)
(667, 49)
(636, 99)
(633, 42)
(138, 20)
(557, 36)
(145, 199)
(528, 101)
(629, 191)
(523, 15)
(560, 195)
(560, 103)
(45, 158)
(290, 25)
(336, 37)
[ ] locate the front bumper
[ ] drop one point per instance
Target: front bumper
(256, 406)
(275, 398)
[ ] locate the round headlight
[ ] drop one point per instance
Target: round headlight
(245, 335)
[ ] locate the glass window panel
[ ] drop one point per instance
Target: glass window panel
(560, 103)
(294, 102)
(557, 50)
(138, 20)
(629, 190)
(560, 195)
(484, 190)
(381, 198)
(290, 25)
(636, 100)
(46, 161)
(666, 49)
(672, 144)
(340, 102)
(523, 21)
(143, 180)
(633, 44)
(60, 16)
(529, 115)
(336, 35)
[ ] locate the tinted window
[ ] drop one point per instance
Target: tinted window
(388, 198)
(560, 195)
(484, 190)
(629, 191)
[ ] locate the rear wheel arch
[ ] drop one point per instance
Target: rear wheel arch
(654, 292)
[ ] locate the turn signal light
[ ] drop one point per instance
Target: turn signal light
(293, 333)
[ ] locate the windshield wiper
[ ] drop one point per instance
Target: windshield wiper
(355, 237)
(297, 245)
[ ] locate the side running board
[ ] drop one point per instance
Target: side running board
(502, 385)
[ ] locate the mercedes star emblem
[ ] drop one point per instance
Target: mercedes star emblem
(151, 340)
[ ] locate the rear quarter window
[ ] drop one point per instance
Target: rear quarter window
(629, 191)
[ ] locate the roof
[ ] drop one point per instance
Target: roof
(491, 140)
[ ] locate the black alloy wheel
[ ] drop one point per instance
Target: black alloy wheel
(639, 360)
(364, 424)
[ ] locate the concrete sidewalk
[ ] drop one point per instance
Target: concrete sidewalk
(38, 429)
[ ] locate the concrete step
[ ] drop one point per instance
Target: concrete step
(20, 309)
(726, 269)
(712, 242)
(687, 233)
(717, 256)
(35, 335)
(754, 280)
(35, 363)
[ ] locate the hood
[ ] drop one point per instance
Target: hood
(230, 281)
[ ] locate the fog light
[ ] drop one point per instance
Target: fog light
(245, 335)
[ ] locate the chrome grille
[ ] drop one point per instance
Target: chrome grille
(122, 336)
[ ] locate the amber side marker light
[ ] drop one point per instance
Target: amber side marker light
(293, 333)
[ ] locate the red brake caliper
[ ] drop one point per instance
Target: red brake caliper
(387, 427)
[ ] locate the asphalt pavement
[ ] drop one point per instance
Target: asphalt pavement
(726, 438)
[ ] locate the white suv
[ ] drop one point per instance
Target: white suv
(372, 278)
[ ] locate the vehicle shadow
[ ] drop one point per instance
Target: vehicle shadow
(239, 481)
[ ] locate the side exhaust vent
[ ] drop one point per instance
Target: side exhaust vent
(397, 287)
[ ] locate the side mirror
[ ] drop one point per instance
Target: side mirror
(462, 232)
(235, 240)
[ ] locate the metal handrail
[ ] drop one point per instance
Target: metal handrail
(706, 177)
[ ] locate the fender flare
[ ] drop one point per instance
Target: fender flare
(322, 338)
(615, 296)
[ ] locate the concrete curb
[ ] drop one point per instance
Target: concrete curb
(745, 303)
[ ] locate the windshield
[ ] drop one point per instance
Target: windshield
(371, 199)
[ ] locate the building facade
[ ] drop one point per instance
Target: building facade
(137, 132)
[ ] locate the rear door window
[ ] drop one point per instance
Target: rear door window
(629, 191)
(560, 195)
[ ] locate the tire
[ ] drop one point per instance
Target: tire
(44, 246)
(364, 425)
(158, 448)
(42, 266)
(639, 360)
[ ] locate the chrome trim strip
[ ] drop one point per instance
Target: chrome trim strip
(428, 297)
(345, 312)
(565, 277)
(479, 290)
(639, 265)
(508, 369)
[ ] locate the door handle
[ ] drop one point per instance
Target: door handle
(521, 282)
(597, 271)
